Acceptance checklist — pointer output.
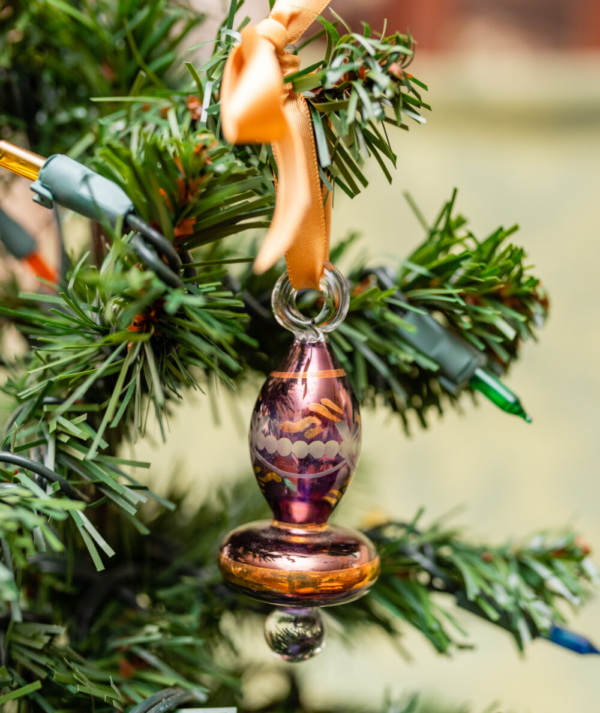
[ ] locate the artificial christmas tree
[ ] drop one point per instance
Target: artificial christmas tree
(100, 610)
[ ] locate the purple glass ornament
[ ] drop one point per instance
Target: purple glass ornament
(304, 444)
(305, 435)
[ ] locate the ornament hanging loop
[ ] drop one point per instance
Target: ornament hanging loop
(336, 300)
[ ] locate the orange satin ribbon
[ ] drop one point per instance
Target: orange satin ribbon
(257, 107)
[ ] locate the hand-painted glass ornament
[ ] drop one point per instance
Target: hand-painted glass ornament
(304, 444)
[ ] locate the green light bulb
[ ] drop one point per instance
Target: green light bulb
(486, 382)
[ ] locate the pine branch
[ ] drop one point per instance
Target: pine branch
(202, 192)
(360, 86)
(136, 628)
(118, 341)
(56, 55)
(205, 192)
(113, 344)
(482, 290)
(152, 620)
(26, 511)
(518, 587)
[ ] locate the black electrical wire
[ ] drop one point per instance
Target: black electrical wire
(188, 270)
(253, 306)
(149, 257)
(38, 468)
(41, 470)
(63, 257)
(167, 700)
(155, 239)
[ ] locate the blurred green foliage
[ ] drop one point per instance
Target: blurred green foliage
(55, 55)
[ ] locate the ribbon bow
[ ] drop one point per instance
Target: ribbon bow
(257, 107)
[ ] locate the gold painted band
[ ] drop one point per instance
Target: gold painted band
(301, 529)
(262, 579)
(329, 374)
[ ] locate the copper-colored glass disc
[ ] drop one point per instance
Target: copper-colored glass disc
(299, 565)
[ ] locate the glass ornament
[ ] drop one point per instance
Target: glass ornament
(304, 445)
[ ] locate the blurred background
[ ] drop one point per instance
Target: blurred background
(515, 91)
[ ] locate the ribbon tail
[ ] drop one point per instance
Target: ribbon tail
(327, 206)
(293, 198)
(306, 257)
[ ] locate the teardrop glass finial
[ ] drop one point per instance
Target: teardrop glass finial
(295, 635)
(305, 435)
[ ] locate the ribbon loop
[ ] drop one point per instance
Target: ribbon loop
(257, 107)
